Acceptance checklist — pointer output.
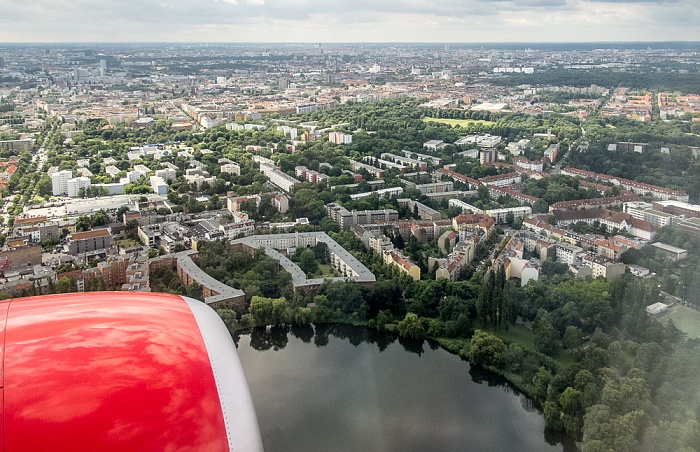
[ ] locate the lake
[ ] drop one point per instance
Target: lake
(343, 388)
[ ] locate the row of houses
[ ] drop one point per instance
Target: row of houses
(639, 188)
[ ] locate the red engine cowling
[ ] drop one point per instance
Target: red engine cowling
(121, 371)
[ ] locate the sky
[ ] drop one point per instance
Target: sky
(348, 20)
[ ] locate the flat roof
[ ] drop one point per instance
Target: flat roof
(298, 276)
(191, 268)
(670, 248)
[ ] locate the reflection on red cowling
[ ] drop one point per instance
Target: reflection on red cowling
(107, 371)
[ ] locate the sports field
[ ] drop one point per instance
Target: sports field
(685, 319)
(459, 122)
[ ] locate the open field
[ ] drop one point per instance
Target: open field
(686, 320)
(459, 122)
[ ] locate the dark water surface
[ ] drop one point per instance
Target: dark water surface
(342, 388)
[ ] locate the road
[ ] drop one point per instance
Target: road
(582, 147)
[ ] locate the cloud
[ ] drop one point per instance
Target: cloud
(660, 2)
(348, 20)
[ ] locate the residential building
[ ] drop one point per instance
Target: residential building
(234, 204)
(382, 193)
(59, 182)
(424, 212)
(380, 243)
(566, 253)
(466, 207)
(280, 202)
(602, 266)
(340, 138)
(501, 180)
(345, 218)
(551, 153)
(488, 155)
(449, 268)
(159, 186)
(280, 179)
(231, 168)
(167, 174)
(501, 215)
(644, 211)
(404, 264)
(85, 242)
(310, 176)
(75, 184)
(533, 165)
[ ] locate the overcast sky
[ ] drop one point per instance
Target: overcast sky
(349, 20)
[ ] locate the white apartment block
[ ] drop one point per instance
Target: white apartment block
(280, 179)
(500, 215)
(142, 169)
(466, 207)
(159, 186)
(567, 254)
(644, 211)
(167, 174)
(75, 184)
(231, 168)
(291, 132)
(133, 176)
(59, 182)
(238, 229)
(383, 193)
(112, 170)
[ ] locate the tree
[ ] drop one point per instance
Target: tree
(307, 262)
(269, 311)
(540, 383)
(100, 218)
(214, 203)
(411, 326)
(83, 223)
(347, 296)
(229, 317)
(381, 320)
(64, 285)
(486, 349)
(194, 290)
(545, 335)
(573, 337)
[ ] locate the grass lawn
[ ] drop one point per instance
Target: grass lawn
(127, 243)
(459, 122)
(686, 320)
(325, 270)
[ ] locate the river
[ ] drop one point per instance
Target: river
(343, 388)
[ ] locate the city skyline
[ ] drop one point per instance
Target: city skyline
(351, 21)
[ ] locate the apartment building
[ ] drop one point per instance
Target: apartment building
(85, 242)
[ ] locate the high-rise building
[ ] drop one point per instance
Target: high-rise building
(59, 182)
(74, 185)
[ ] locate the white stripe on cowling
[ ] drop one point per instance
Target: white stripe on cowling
(237, 407)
